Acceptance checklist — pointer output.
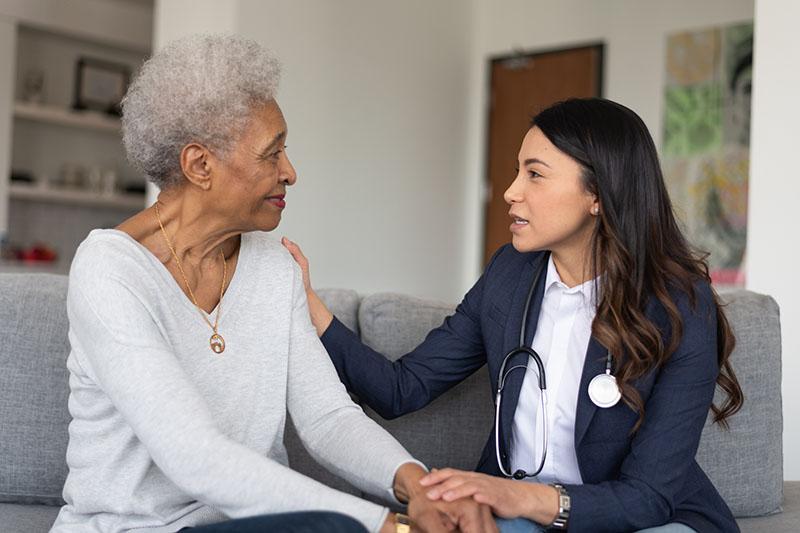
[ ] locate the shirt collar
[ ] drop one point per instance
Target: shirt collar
(586, 289)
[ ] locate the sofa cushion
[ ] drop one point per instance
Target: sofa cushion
(16, 518)
(33, 388)
(452, 430)
(344, 304)
(745, 463)
(788, 520)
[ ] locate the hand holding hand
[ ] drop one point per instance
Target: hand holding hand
(465, 515)
(507, 498)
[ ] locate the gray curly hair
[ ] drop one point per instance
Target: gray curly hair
(201, 89)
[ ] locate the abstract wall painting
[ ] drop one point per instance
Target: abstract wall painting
(706, 150)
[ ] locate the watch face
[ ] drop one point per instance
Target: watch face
(564, 502)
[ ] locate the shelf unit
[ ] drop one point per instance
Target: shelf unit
(90, 120)
(48, 139)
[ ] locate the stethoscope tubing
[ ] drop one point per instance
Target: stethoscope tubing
(531, 353)
(503, 374)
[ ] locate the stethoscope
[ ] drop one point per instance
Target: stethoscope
(603, 389)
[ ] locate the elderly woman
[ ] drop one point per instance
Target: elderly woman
(191, 339)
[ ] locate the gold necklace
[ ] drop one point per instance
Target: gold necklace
(216, 341)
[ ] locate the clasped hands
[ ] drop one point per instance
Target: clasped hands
(455, 500)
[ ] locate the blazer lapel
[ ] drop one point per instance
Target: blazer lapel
(594, 364)
(513, 384)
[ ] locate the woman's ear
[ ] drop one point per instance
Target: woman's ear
(595, 209)
(196, 166)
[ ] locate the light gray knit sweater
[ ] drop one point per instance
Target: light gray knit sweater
(167, 434)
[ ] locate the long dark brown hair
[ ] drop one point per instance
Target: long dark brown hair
(637, 245)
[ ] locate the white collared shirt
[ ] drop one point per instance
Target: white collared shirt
(562, 337)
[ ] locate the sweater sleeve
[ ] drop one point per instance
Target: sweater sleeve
(122, 348)
(334, 430)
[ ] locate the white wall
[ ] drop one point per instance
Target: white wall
(373, 93)
(773, 255)
(634, 32)
(386, 107)
(176, 18)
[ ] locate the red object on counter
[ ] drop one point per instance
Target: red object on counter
(38, 253)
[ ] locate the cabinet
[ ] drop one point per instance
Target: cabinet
(71, 156)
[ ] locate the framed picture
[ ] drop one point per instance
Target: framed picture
(100, 85)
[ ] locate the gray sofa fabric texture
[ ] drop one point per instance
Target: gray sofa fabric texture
(745, 462)
(33, 388)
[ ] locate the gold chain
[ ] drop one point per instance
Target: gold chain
(218, 346)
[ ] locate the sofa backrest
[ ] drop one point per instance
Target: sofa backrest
(33, 387)
(745, 462)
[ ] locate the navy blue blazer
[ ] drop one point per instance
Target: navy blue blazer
(630, 482)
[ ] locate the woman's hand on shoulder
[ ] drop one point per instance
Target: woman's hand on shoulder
(321, 316)
(300, 259)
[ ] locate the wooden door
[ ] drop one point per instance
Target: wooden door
(521, 86)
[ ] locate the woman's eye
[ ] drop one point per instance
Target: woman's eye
(534, 174)
(276, 154)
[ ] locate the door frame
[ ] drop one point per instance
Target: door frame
(522, 54)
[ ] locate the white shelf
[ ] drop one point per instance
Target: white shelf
(76, 197)
(91, 120)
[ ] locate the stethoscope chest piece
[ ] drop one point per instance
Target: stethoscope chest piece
(604, 391)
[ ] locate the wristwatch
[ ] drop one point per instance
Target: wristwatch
(564, 504)
(402, 524)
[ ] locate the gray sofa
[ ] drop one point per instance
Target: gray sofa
(745, 462)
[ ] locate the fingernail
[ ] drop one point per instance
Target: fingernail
(432, 494)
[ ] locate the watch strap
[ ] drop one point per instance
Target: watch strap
(564, 506)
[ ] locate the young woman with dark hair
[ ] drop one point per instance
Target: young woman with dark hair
(600, 305)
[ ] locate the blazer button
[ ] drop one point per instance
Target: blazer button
(504, 456)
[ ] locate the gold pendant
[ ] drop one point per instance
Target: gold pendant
(217, 343)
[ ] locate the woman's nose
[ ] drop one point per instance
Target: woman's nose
(288, 174)
(512, 194)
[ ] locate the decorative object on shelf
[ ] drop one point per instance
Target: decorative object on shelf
(100, 85)
(37, 253)
(33, 86)
(94, 179)
(109, 182)
(22, 176)
(71, 175)
(135, 187)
